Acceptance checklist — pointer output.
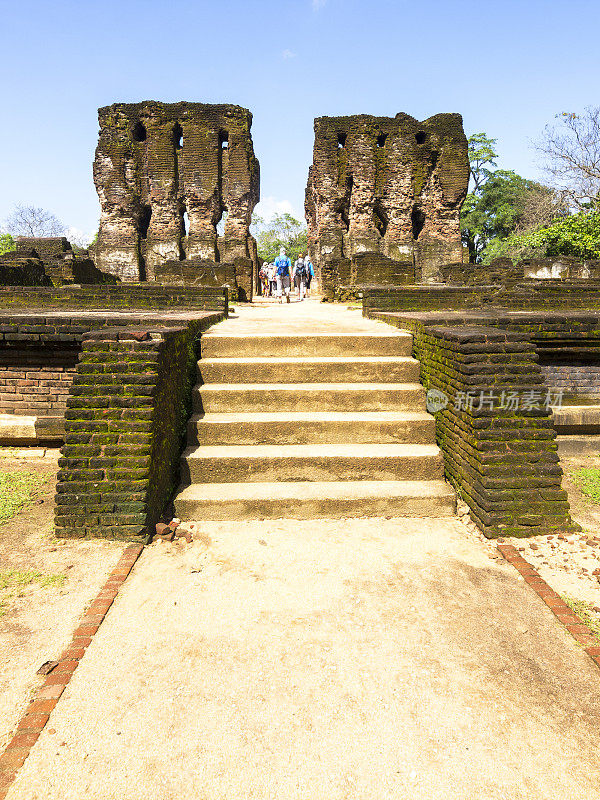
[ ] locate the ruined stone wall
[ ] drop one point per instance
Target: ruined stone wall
(155, 163)
(389, 185)
(49, 261)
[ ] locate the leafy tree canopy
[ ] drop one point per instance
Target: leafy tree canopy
(577, 236)
(282, 230)
(502, 202)
(7, 243)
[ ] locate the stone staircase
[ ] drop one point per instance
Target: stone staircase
(310, 426)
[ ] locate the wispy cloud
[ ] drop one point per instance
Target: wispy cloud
(318, 4)
(269, 206)
(288, 54)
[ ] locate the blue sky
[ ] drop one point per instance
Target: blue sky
(508, 67)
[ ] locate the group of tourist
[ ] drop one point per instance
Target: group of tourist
(278, 278)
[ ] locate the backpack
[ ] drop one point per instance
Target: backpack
(301, 271)
(282, 266)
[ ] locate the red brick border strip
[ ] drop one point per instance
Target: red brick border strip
(36, 716)
(573, 623)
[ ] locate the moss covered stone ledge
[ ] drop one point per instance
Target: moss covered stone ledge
(125, 427)
(487, 392)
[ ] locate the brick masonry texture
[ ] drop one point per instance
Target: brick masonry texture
(385, 185)
(123, 297)
(503, 462)
(157, 162)
(567, 343)
(524, 295)
(47, 696)
(124, 429)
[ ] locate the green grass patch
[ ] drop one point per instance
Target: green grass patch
(12, 580)
(585, 612)
(587, 479)
(16, 490)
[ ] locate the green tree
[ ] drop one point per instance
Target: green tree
(577, 236)
(282, 230)
(482, 155)
(7, 243)
(502, 202)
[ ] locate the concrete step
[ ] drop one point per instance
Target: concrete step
(328, 427)
(581, 419)
(314, 500)
(326, 369)
(230, 397)
(312, 462)
(219, 345)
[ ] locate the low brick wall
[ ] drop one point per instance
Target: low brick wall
(503, 461)
(540, 295)
(129, 296)
(573, 379)
(39, 353)
(125, 427)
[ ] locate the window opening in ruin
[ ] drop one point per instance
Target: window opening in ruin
(142, 225)
(380, 219)
(381, 139)
(186, 223)
(224, 140)
(144, 221)
(417, 219)
(178, 136)
(138, 132)
(341, 140)
(420, 137)
(344, 207)
(220, 226)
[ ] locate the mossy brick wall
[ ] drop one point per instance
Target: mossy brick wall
(125, 426)
(540, 295)
(125, 297)
(390, 185)
(155, 161)
(568, 344)
(502, 461)
(39, 353)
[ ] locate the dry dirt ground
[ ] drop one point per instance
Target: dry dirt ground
(566, 563)
(36, 622)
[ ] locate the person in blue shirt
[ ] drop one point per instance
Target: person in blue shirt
(283, 273)
(310, 272)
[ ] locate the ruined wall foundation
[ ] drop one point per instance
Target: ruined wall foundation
(393, 186)
(166, 175)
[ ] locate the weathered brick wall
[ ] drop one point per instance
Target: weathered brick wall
(35, 390)
(573, 379)
(39, 353)
(128, 297)
(538, 295)
(390, 185)
(503, 462)
(125, 428)
(156, 162)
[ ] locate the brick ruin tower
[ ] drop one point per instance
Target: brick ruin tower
(166, 174)
(393, 186)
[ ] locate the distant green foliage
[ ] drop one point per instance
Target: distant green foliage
(577, 236)
(16, 490)
(588, 480)
(282, 230)
(500, 204)
(7, 243)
